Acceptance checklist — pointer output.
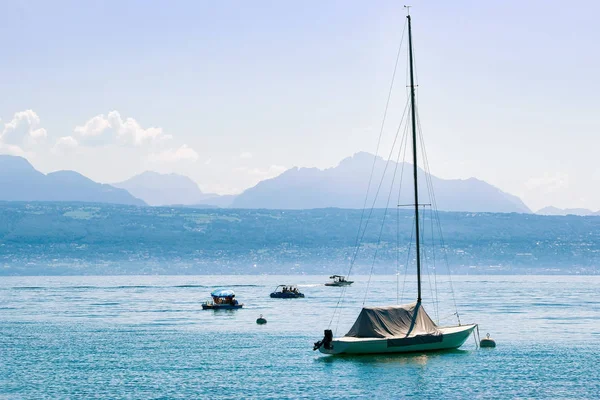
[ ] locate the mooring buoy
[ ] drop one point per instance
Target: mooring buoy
(487, 341)
(261, 320)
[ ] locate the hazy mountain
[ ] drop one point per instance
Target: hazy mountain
(566, 211)
(170, 189)
(217, 201)
(19, 181)
(345, 186)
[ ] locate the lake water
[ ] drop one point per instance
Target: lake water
(147, 337)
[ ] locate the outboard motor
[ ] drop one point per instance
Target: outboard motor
(326, 342)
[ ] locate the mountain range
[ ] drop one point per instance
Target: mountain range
(19, 181)
(165, 189)
(342, 186)
(345, 185)
(566, 211)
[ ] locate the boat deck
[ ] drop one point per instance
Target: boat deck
(446, 330)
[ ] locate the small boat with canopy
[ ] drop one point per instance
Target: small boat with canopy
(338, 280)
(408, 327)
(287, 292)
(222, 299)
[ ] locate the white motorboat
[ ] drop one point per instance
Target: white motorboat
(339, 280)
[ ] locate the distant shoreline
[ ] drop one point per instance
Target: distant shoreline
(58, 239)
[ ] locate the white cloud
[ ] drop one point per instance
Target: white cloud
(246, 155)
(93, 127)
(149, 143)
(12, 149)
(65, 143)
(23, 130)
(127, 131)
(183, 153)
(548, 183)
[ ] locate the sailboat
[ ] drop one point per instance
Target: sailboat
(399, 328)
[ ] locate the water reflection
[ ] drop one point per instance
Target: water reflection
(420, 359)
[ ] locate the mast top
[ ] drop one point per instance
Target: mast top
(407, 10)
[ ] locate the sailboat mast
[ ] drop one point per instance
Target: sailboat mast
(414, 140)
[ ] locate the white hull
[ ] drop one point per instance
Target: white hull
(346, 283)
(452, 338)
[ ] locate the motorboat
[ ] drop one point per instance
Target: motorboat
(338, 280)
(222, 299)
(286, 292)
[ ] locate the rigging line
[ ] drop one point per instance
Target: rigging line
(433, 249)
(437, 301)
(387, 104)
(430, 188)
(372, 208)
(387, 205)
(412, 232)
(416, 71)
(338, 309)
(439, 226)
(431, 191)
(429, 184)
(398, 254)
(378, 188)
(358, 235)
(427, 267)
(399, 193)
(339, 313)
(405, 145)
(447, 316)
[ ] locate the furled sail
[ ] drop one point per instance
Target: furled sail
(393, 321)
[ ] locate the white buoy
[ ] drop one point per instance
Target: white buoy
(261, 320)
(487, 341)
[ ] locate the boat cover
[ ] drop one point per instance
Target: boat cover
(393, 321)
(222, 293)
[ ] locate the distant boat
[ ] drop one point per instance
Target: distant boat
(398, 328)
(222, 299)
(339, 280)
(286, 292)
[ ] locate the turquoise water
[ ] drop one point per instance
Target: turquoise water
(147, 337)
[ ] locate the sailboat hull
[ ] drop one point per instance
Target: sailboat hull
(451, 338)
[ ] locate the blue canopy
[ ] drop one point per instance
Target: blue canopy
(222, 293)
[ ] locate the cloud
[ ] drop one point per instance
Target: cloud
(119, 136)
(93, 127)
(548, 183)
(13, 150)
(113, 129)
(65, 143)
(127, 131)
(23, 130)
(246, 155)
(183, 153)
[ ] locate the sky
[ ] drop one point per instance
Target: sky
(233, 92)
